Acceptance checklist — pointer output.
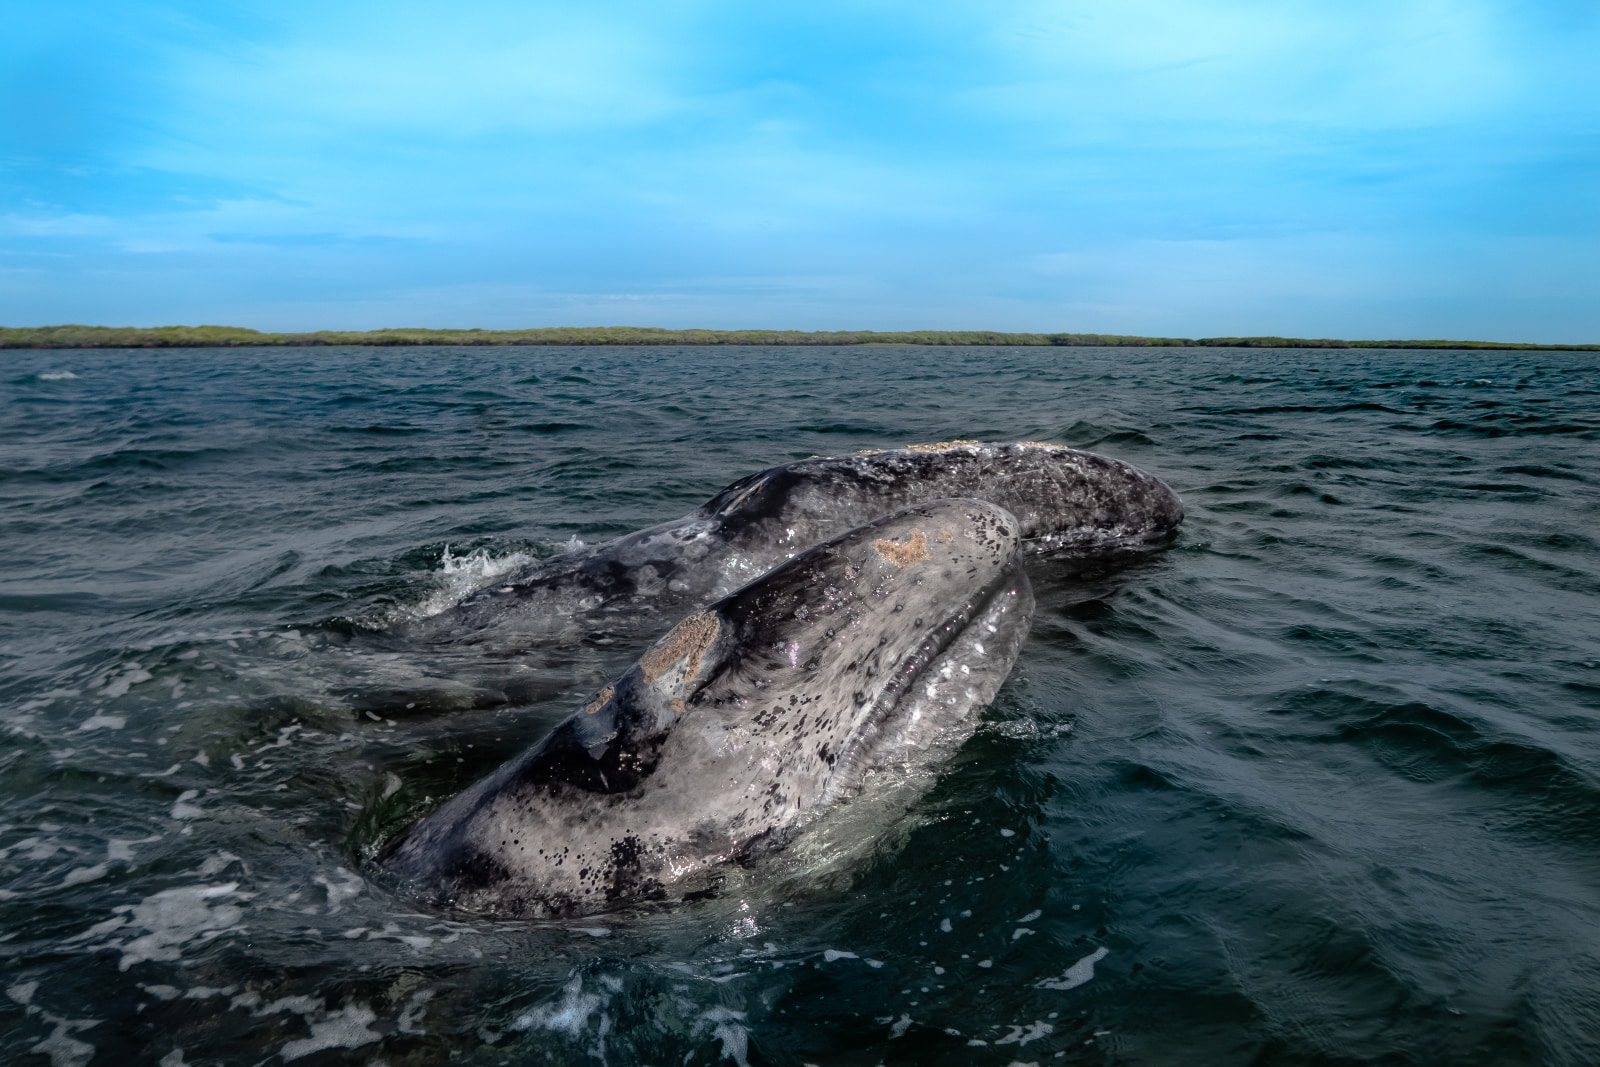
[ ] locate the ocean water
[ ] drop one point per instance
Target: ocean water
(1318, 785)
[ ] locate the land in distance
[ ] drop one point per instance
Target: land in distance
(231, 336)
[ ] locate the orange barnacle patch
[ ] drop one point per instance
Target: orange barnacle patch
(912, 551)
(687, 641)
(600, 700)
(943, 446)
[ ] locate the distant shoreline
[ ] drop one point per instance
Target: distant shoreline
(235, 336)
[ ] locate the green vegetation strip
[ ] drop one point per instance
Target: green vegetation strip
(230, 336)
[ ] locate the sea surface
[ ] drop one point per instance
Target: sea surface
(1320, 784)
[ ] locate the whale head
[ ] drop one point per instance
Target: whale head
(1068, 503)
(859, 660)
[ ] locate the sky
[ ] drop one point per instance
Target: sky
(1310, 168)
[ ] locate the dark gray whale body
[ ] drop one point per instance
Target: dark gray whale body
(830, 677)
(1070, 504)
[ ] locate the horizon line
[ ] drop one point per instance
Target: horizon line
(207, 336)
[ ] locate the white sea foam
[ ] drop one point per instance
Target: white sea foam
(345, 1028)
(80, 875)
(1078, 973)
(171, 920)
(63, 1049)
(570, 1016)
(1021, 1035)
(727, 1026)
(34, 849)
(348, 885)
(411, 1014)
(182, 809)
(103, 722)
(458, 577)
(120, 684)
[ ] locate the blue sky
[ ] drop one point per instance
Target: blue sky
(1356, 168)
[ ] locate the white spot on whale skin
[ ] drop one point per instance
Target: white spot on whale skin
(833, 954)
(1078, 973)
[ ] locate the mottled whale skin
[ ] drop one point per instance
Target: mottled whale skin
(1069, 503)
(857, 662)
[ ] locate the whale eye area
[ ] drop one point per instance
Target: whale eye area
(601, 752)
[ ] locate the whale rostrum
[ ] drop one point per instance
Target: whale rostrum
(845, 669)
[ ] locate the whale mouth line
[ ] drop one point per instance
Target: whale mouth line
(891, 709)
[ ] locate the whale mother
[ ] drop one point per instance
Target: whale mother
(1068, 503)
(837, 674)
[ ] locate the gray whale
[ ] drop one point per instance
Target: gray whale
(833, 677)
(1069, 504)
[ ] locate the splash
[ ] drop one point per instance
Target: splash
(458, 577)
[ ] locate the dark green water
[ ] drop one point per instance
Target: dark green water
(1320, 785)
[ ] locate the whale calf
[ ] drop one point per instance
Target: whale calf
(846, 668)
(1068, 503)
